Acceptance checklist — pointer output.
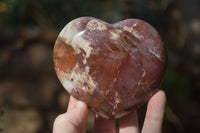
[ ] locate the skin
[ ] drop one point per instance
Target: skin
(74, 120)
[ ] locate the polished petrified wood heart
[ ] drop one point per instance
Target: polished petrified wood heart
(113, 68)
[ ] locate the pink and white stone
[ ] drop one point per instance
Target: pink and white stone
(113, 68)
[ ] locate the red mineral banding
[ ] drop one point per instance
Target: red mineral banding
(113, 68)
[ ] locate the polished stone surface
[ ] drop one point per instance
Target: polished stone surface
(113, 68)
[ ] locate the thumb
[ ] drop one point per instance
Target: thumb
(73, 121)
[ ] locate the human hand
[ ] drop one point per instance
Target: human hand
(74, 120)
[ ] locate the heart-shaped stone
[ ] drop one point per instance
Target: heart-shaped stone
(113, 68)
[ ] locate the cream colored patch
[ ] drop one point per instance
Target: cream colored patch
(143, 75)
(117, 100)
(155, 54)
(75, 39)
(80, 43)
(114, 35)
(106, 92)
(113, 113)
(69, 31)
(102, 114)
(115, 79)
(134, 32)
(68, 85)
(77, 79)
(135, 24)
(129, 29)
(144, 72)
(96, 25)
(64, 79)
(84, 60)
(80, 77)
(137, 35)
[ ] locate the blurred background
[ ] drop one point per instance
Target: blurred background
(31, 95)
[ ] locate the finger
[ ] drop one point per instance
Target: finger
(129, 123)
(155, 113)
(104, 125)
(74, 121)
(72, 102)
